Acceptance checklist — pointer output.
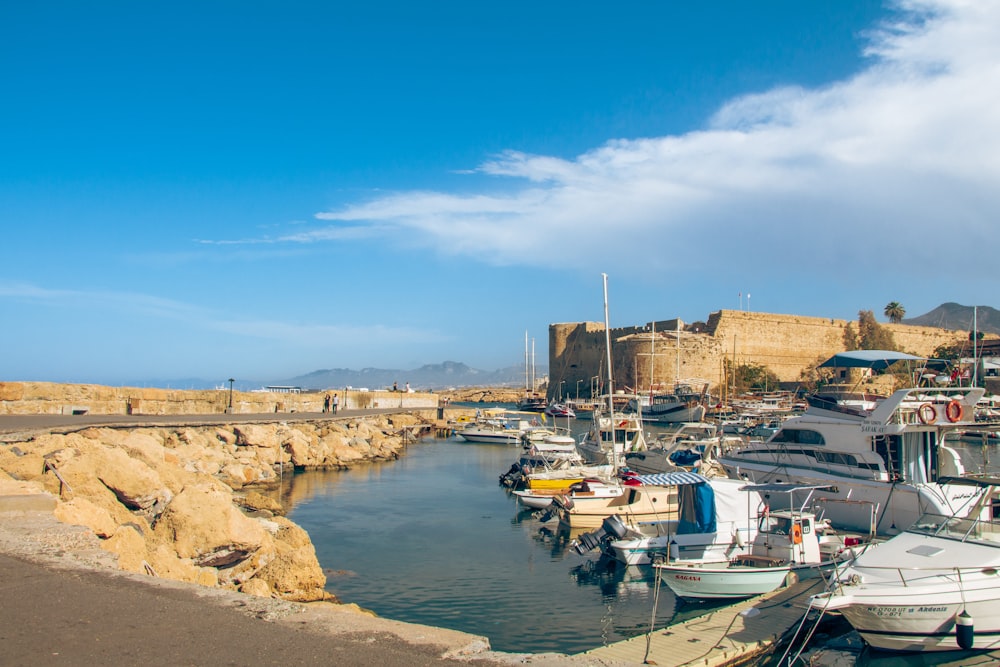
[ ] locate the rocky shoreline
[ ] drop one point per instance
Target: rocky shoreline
(185, 503)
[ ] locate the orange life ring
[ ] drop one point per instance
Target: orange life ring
(796, 533)
(623, 423)
(926, 414)
(953, 411)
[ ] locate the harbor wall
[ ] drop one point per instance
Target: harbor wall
(655, 353)
(51, 398)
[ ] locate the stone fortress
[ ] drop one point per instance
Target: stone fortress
(663, 352)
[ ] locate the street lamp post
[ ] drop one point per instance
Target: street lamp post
(230, 408)
(578, 389)
(560, 389)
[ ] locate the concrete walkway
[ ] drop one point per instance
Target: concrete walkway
(63, 604)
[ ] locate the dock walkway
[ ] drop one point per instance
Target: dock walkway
(727, 636)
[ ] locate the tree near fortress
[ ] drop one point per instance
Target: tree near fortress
(870, 335)
(750, 377)
(895, 312)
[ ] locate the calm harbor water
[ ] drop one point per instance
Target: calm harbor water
(434, 539)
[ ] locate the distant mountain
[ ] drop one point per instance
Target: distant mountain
(959, 317)
(431, 376)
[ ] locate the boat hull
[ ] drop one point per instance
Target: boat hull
(926, 624)
(489, 438)
(734, 582)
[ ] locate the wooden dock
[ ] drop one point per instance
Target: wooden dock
(731, 635)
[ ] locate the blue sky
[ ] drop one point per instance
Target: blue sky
(260, 190)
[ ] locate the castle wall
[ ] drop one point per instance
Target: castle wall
(785, 344)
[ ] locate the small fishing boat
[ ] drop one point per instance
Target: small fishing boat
(589, 487)
(639, 502)
(717, 521)
(560, 410)
(787, 548)
(610, 437)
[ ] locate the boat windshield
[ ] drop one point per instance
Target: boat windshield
(963, 529)
(780, 525)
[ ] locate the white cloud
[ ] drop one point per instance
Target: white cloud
(895, 160)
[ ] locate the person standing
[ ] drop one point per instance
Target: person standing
(336, 403)
(326, 403)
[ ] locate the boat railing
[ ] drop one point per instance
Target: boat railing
(908, 576)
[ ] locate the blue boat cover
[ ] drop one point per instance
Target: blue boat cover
(874, 359)
(672, 478)
(697, 509)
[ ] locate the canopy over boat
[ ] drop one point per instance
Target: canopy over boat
(672, 478)
(874, 359)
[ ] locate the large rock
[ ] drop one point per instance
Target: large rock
(135, 484)
(205, 526)
(294, 573)
(82, 512)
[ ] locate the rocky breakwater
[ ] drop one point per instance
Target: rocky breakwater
(186, 503)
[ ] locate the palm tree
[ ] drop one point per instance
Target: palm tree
(895, 312)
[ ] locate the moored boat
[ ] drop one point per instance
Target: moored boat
(786, 548)
(610, 437)
(638, 502)
(495, 426)
(588, 487)
(716, 521)
(889, 457)
(934, 587)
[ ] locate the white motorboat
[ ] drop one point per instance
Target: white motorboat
(934, 587)
(560, 410)
(717, 521)
(787, 548)
(682, 448)
(889, 458)
(495, 426)
(683, 404)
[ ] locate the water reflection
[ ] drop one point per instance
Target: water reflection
(433, 538)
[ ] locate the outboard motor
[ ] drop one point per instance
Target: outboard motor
(558, 503)
(509, 478)
(612, 528)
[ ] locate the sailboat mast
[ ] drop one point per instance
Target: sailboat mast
(652, 360)
(975, 336)
(677, 364)
(607, 346)
(526, 386)
(533, 385)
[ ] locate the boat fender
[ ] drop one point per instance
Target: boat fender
(675, 550)
(738, 538)
(953, 411)
(964, 631)
(926, 414)
(796, 533)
